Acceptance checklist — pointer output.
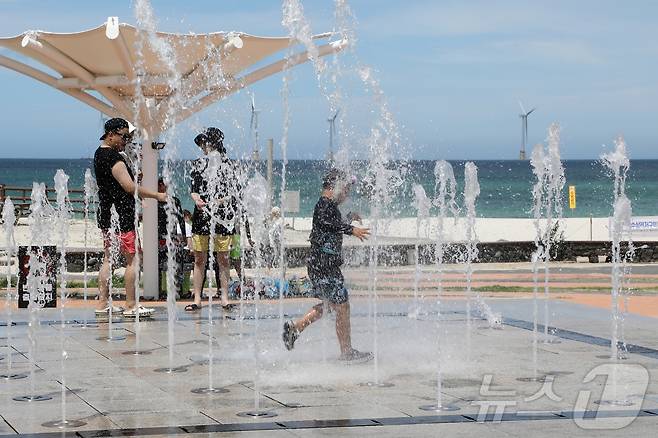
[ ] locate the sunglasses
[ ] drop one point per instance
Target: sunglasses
(126, 137)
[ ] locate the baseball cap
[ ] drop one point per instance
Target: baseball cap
(211, 136)
(115, 124)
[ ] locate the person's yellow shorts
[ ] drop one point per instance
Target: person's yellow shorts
(202, 243)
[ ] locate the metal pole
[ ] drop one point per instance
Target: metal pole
(590, 228)
(150, 220)
(270, 161)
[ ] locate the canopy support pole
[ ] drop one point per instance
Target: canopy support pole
(45, 78)
(150, 219)
(53, 55)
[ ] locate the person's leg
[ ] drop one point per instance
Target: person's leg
(311, 316)
(180, 273)
(200, 258)
(129, 279)
(291, 330)
(343, 326)
(103, 281)
(224, 275)
(218, 277)
(237, 265)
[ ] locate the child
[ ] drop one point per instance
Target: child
(324, 262)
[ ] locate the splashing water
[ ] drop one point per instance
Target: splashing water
(381, 182)
(553, 209)
(621, 223)
(256, 202)
(538, 164)
(90, 197)
(617, 163)
(147, 37)
(40, 222)
(471, 193)
(445, 191)
(114, 259)
(422, 204)
(8, 221)
(62, 226)
(299, 29)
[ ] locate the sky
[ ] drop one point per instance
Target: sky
(452, 74)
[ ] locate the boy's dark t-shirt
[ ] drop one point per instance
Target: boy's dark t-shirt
(110, 191)
(327, 234)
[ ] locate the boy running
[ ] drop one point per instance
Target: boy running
(324, 262)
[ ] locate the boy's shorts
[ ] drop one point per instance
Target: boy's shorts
(328, 284)
(201, 243)
(127, 241)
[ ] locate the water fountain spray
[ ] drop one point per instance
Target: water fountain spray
(422, 204)
(63, 216)
(90, 197)
(256, 203)
(8, 221)
(382, 180)
(445, 190)
(539, 169)
(216, 175)
(553, 198)
(62, 222)
(113, 260)
(471, 193)
(617, 163)
(40, 220)
(299, 29)
(147, 36)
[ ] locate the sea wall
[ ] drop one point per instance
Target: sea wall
(404, 254)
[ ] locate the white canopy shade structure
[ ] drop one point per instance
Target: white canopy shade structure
(99, 67)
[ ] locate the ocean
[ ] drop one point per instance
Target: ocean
(505, 185)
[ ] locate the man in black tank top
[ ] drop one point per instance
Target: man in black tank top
(116, 188)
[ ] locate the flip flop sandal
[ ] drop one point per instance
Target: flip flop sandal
(192, 307)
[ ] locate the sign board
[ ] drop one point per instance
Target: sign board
(644, 223)
(290, 201)
(641, 227)
(43, 260)
(572, 197)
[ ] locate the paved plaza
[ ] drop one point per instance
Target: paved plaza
(484, 372)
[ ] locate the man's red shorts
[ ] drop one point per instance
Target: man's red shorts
(127, 241)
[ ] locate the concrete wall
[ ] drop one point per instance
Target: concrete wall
(403, 254)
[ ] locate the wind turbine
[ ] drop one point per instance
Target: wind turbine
(253, 127)
(524, 129)
(332, 132)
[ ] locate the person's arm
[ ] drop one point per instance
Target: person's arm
(197, 180)
(354, 217)
(197, 200)
(120, 173)
(188, 235)
(360, 233)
